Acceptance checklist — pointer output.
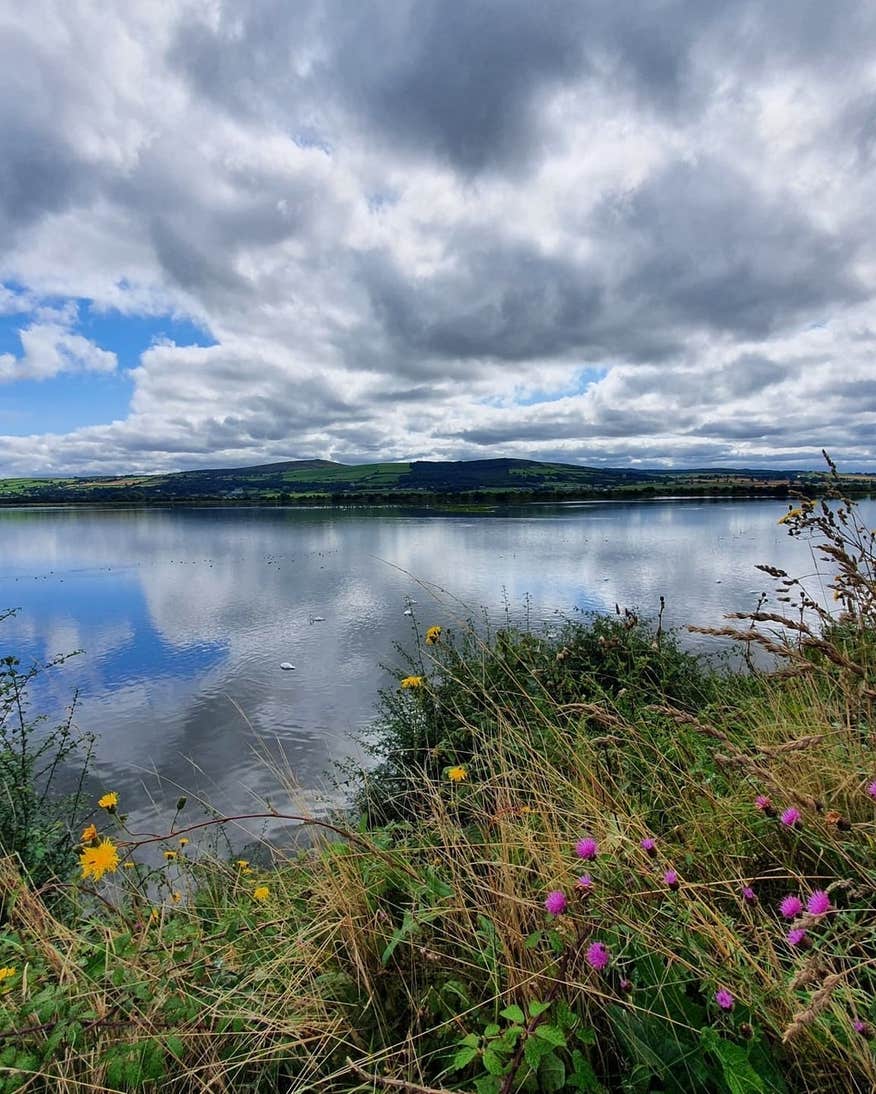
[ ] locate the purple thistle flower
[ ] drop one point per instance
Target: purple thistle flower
(764, 803)
(862, 1027)
(556, 902)
(587, 848)
(597, 956)
(724, 999)
(797, 937)
(649, 846)
(749, 895)
(625, 985)
(791, 906)
(871, 789)
(818, 903)
(671, 879)
(584, 885)
(791, 817)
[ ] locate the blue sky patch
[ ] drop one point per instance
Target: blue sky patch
(72, 400)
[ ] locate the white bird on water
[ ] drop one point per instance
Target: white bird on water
(287, 666)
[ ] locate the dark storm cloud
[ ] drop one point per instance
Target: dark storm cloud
(702, 247)
(499, 300)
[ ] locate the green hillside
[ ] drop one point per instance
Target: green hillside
(315, 481)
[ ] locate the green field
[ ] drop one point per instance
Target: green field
(310, 481)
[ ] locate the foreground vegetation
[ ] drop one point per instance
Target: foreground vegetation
(590, 862)
(322, 482)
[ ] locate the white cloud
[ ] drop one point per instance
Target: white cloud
(398, 221)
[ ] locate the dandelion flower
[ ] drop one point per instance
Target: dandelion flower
(243, 863)
(89, 833)
(170, 855)
(597, 956)
(109, 801)
(433, 636)
(411, 682)
(724, 999)
(457, 774)
(183, 841)
(749, 895)
(6, 972)
(791, 817)
(587, 848)
(649, 846)
(797, 937)
(818, 903)
(99, 860)
(261, 893)
(791, 906)
(671, 879)
(555, 902)
(584, 885)
(176, 897)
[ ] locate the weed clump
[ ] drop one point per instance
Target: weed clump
(592, 862)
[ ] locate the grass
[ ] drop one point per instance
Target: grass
(410, 948)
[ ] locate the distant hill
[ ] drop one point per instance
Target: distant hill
(319, 481)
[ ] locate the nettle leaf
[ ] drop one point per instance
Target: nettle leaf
(552, 1034)
(536, 1010)
(534, 1051)
(551, 1074)
(513, 1013)
(493, 1063)
(463, 1058)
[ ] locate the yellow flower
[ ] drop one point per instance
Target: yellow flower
(169, 855)
(89, 833)
(261, 894)
(433, 635)
(412, 682)
(183, 841)
(176, 897)
(457, 774)
(109, 801)
(790, 515)
(243, 863)
(129, 865)
(153, 915)
(6, 972)
(99, 860)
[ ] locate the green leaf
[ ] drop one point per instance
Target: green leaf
(534, 1052)
(463, 1058)
(513, 1013)
(493, 1063)
(583, 1076)
(536, 1010)
(487, 1084)
(471, 1039)
(739, 1075)
(532, 940)
(492, 1030)
(551, 1074)
(552, 1034)
(586, 1036)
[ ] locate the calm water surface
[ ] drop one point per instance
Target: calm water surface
(184, 616)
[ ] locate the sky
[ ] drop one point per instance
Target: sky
(623, 232)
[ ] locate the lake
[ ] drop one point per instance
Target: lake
(185, 616)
